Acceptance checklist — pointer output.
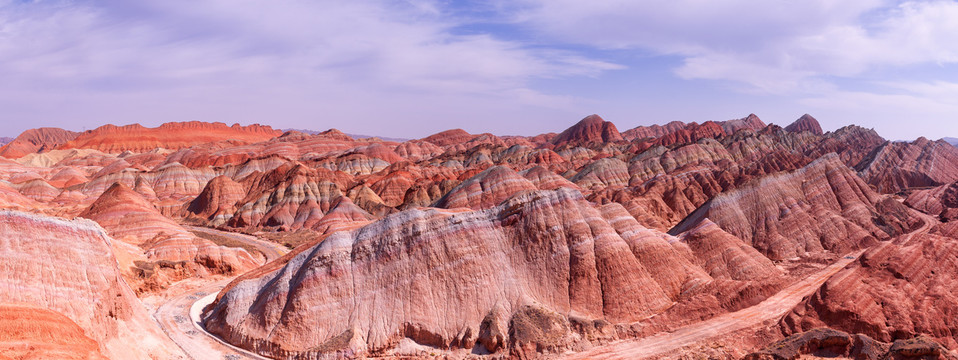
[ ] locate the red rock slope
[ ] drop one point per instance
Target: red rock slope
(33, 333)
(941, 201)
(130, 218)
(805, 123)
(591, 129)
(68, 267)
(893, 292)
(35, 140)
(174, 135)
(827, 343)
(896, 166)
(823, 206)
(511, 277)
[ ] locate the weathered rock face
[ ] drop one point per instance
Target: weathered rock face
(68, 267)
(805, 123)
(852, 144)
(486, 189)
(591, 129)
(895, 291)
(895, 166)
(652, 131)
(217, 202)
(726, 256)
(941, 201)
(549, 242)
(691, 133)
(823, 206)
(28, 332)
(289, 197)
(130, 218)
(36, 140)
(449, 137)
(136, 138)
(603, 173)
(750, 122)
(523, 269)
(829, 343)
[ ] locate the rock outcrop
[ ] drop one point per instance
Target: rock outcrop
(896, 166)
(823, 206)
(33, 333)
(941, 201)
(590, 130)
(829, 343)
(750, 122)
(517, 246)
(449, 137)
(130, 218)
(894, 292)
(36, 140)
(289, 197)
(514, 275)
(486, 189)
(68, 267)
(136, 138)
(217, 202)
(805, 123)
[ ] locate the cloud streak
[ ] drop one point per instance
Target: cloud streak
(754, 41)
(409, 68)
(342, 55)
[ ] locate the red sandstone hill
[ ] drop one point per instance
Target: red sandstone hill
(829, 343)
(174, 135)
(69, 268)
(823, 206)
(129, 217)
(591, 129)
(805, 123)
(33, 333)
(449, 137)
(750, 122)
(941, 201)
(515, 245)
(895, 166)
(521, 276)
(893, 292)
(36, 140)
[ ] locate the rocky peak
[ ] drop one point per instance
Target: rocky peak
(591, 129)
(449, 137)
(805, 123)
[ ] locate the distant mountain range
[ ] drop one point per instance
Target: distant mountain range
(951, 140)
(354, 136)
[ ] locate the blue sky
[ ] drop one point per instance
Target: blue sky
(412, 68)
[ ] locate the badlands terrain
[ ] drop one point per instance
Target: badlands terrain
(717, 240)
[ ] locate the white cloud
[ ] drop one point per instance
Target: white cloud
(775, 46)
(348, 57)
(902, 111)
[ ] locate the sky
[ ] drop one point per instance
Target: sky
(510, 67)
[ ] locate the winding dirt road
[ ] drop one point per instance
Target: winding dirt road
(179, 316)
(772, 308)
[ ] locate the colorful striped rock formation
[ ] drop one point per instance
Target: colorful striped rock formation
(68, 271)
(705, 239)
